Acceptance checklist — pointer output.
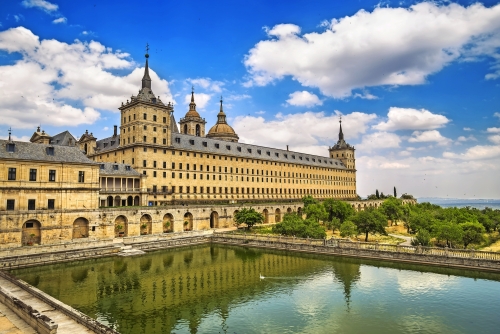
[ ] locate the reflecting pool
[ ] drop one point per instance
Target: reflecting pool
(222, 289)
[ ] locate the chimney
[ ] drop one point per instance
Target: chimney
(114, 131)
(287, 147)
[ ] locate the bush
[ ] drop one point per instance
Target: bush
(348, 229)
(423, 238)
(293, 225)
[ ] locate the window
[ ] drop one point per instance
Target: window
(52, 175)
(204, 143)
(216, 145)
(115, 167)
(239, 149)
(144, 139)
(164, 141)
(268, 153)
(50, 204)
(144, 163)
(11, 147)
(228, 147)
(173, 175)
(127, 167)
(164, 120)
(178, 140)
(154, 164)
(50, 151)
(145, 116)
(191, 141)
(145, 149)
(154, 119)
(154, 174)
(11, 204)
(154, 140)
(12, 174)
(259, 151)
(81, 176)
(277, 154)
(32, 174)
(31, 204)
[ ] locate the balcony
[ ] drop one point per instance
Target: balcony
(119, 190)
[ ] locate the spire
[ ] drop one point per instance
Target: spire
(341, 135)
(10, 133)
(221, 117)
(192, 94)
(146, 80)
(192, 105)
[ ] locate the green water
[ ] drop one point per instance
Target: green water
(217, 289)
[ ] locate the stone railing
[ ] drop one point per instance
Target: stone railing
(67, 245)
(152, 238)
(425, 255)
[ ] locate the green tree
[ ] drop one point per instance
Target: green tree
(376, 193)
(423, 238)
(370, 221)
(449, 232)
(419, 219)
(395, 193)
(250, 217)
(472, 232)
(334, 224)
(372, 196)
(348, 229)
(338, 209)
(316, 212)
(392, 208)
(293, 225)
(308, 200)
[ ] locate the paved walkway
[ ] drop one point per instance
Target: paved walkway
(406, 243)
(10, 323)
(66, 324)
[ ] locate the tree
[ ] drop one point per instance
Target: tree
(392, 208)
(334, 224)
(472, 232)
(395, 193)
(308, 200)
(316, 212)
(377, 194)
(250, 217)
(370, 221)
(372, 196)
(338, 209)
(348, 229)
(418, 220)
(293, 225)
(449, 232)
(423, 238)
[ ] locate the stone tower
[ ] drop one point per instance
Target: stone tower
(343, 151)
(192, 123)
(221, 130)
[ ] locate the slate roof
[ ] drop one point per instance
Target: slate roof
(107, 144)
(38, 152)
(194, 143)
(112, 169)
(63, 139)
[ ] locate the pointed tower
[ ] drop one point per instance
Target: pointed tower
(192, 123)
(40, 137)
(87, 143)
(222, 130)
(343, 151)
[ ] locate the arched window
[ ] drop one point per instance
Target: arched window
(185, 128)
(198, 130)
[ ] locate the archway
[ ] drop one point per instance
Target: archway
(146, 224)
(130, 201)
(198, 130)
(136, 201)
(31, 234)
(188, 222)
(299, 211)
(234, 215)
(359, 207)
(168, 223)
(214, 220)
(289, 210)
(185, 128)
(121, 226)
(110, 201)
(277, 215)
(266, 216)
(118, 201)
(80, 228)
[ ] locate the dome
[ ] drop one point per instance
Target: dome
(192, 113)
(222, 130)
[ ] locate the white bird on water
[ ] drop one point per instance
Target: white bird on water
(261, 277)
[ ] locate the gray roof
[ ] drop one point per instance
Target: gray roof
(107, 144)
(63, 139)
(108, 168)
(194, 143)
(39, 152)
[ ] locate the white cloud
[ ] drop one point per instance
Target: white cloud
(207, 84)
(467, 129)
(494, 139)
(201, 100)
(493, 130)
(60, 20)
(379, 140)
(65, 84)
(411, 119)
(497, 114)
(429, 136)
(388, 46)
(394, 165)
(18, 17)
(16, 138)
(105, 128)
(40, 4)
(405, 153)
(477, 152)
(237, 97)
(366, 96)
(307, 132)
(464, 139)
(304, 99)
(261, 112)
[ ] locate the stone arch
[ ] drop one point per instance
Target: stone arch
(146, 224)
(80, 228)
(198, 130)
(299, 211)
(130, 201)
(109, 201)
(277, 215)
(266, 216)
(359, 207)
(31, 233)
(234, 215)
(136, 201)
(188, 217)
(214, 219)
(289, 210)
(121, 226)
(117, 201)
(168, 223)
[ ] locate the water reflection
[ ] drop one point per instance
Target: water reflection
(214, 288)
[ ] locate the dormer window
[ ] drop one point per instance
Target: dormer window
(268, 153)
(239, 149)
(259, 151)
(191, 141)
(293, 156)
(50, 151)
(249, 150)
(286, 155)
(112, 142)
(216, 145)
(314, 160)
(205, 143)
(101, 166)
(115, 167)
(127, 167)
(177, 140)
(307, 159)
(277, 154)
(105, 145)
(300, 157)
(11, 147)
(228, 147)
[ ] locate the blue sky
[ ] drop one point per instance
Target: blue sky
(417, 83)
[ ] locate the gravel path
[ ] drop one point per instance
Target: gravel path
(406, 243)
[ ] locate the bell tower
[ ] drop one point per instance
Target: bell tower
(343, 151)
(192, 124)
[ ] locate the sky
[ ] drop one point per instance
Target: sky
(417, 83)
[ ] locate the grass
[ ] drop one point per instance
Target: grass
(383, 239)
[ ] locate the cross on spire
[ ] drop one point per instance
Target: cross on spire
(10, 132)
(147, 47)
